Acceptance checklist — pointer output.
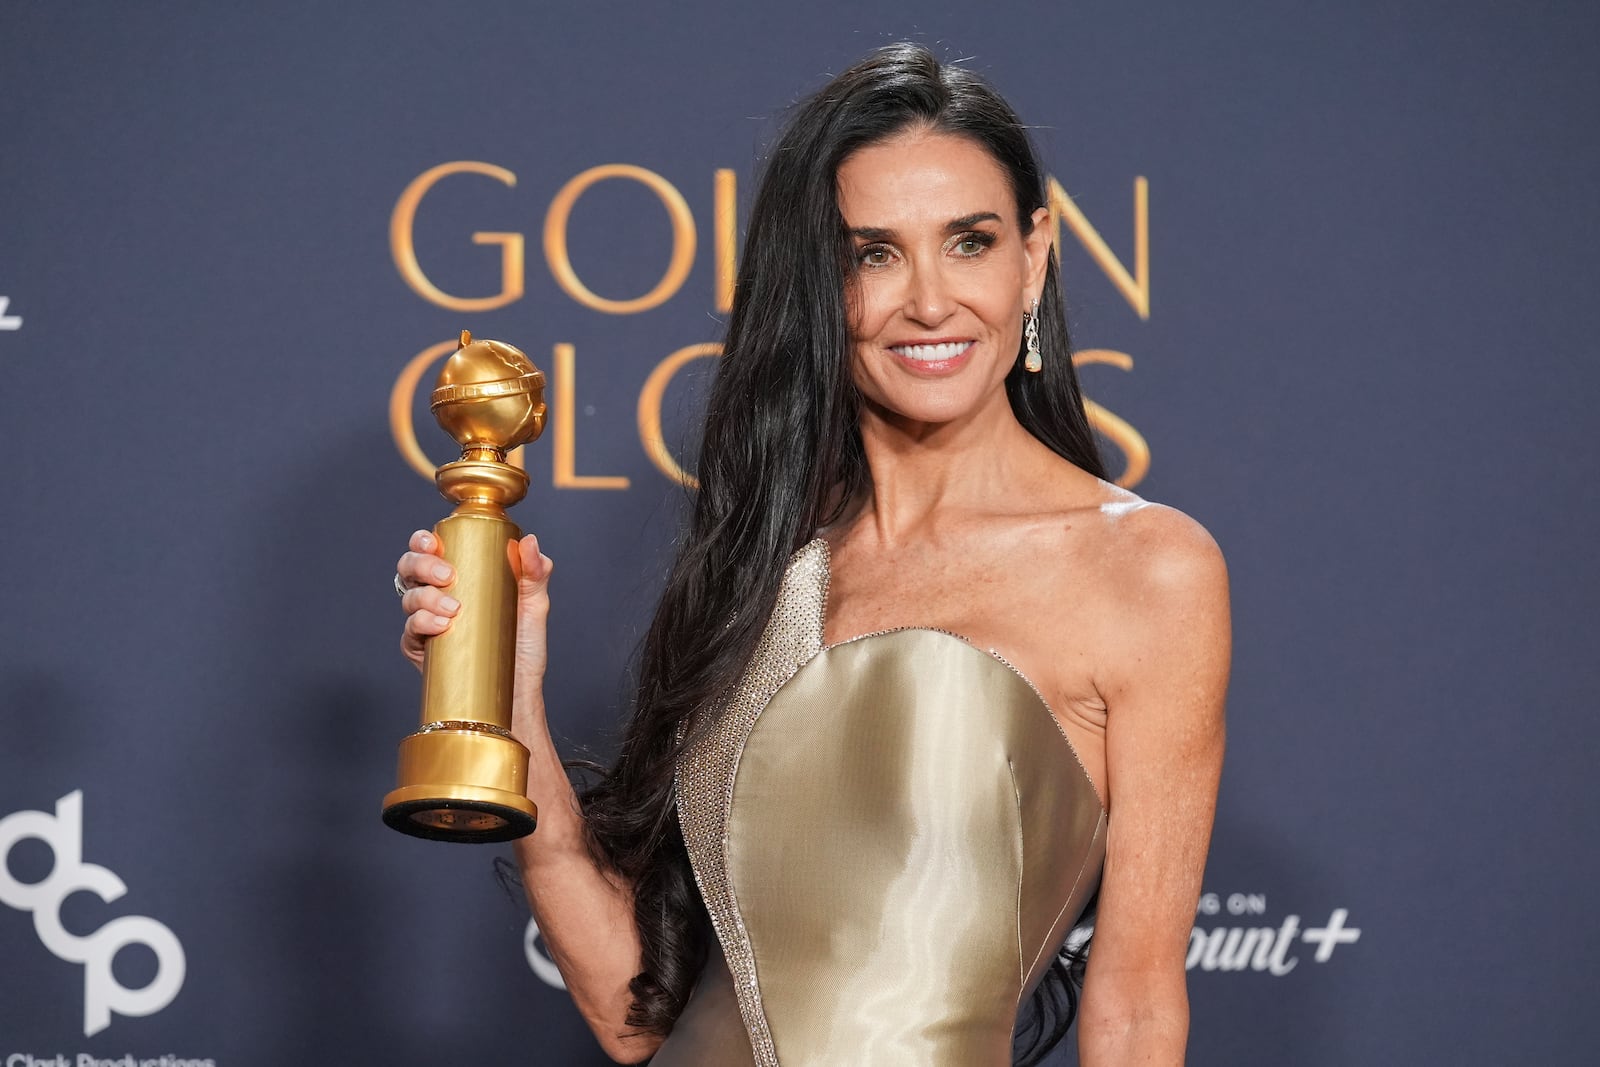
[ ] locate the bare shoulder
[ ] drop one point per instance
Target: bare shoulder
(1163, 596)
(1155, 552)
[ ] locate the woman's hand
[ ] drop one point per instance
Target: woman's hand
(428, 607)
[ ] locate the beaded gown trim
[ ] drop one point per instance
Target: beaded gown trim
(709, 764)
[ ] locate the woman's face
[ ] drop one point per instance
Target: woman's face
(944, 274)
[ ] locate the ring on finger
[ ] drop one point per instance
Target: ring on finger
(400, 585)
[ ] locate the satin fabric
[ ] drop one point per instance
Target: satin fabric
(909, 838)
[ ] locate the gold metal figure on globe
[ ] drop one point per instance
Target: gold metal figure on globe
(462, 776)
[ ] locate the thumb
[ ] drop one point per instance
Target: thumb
(531, 567)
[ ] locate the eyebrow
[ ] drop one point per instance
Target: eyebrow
(965, 222)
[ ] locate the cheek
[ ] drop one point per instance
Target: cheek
(868, 310)
(1001, 307)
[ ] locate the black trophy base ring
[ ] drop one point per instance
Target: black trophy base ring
(460, 820)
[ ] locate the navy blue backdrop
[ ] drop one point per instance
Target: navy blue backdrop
(1361, 352)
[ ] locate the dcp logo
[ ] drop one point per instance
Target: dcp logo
(102, 993)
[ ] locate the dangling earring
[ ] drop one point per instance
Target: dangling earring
(1034, 361)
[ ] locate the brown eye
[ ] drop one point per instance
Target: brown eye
(875, 256)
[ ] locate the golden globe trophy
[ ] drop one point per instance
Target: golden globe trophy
(463, 777)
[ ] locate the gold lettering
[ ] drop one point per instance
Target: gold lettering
(683, 239)
(726, 225)
(566, 429)
(403, 247)
(650, 398)
(401, 399)
(1135, 287)
(1118, 430)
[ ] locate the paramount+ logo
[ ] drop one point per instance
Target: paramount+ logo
(102, 993)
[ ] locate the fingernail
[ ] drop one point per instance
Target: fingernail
(450, 604)
(441, 571)
(426, 541)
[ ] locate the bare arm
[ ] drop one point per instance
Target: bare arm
(1164, 676)
(584, 911)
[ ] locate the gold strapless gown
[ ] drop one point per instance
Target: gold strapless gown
(893, 837)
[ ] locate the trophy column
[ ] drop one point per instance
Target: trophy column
(462, 776)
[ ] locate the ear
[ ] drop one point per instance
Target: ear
(1037, 249)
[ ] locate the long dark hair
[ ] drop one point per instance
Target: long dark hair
(780, 457)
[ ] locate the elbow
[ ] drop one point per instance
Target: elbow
(1111, 1041)
(633, 1047)
(1133, 1023)
(621, 1040)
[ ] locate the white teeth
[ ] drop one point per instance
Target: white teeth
(933, 353)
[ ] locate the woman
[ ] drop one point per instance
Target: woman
(837, 832)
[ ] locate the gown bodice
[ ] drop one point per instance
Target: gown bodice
(892, 836)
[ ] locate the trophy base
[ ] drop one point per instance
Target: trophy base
(462, 781)
(465, 814)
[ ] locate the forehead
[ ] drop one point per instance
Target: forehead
(925, 176)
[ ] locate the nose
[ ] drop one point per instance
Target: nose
(928, 298)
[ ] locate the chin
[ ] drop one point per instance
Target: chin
(928, 409)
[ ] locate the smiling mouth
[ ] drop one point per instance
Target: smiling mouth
(939, 353)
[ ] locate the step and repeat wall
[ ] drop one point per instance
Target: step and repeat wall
(1333, 282)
